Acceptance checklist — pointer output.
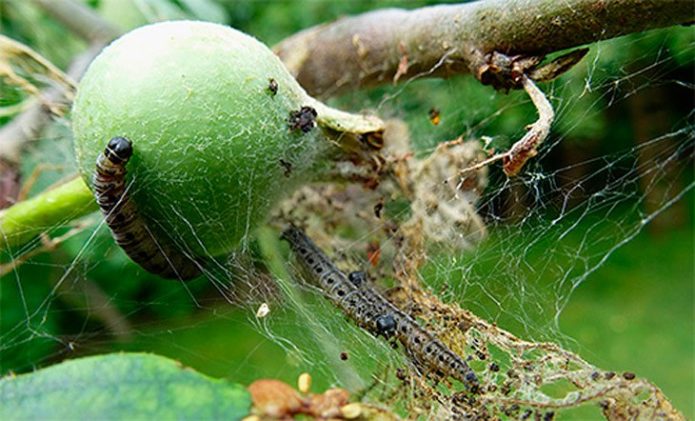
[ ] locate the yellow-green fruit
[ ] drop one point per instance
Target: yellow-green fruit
(212, 148)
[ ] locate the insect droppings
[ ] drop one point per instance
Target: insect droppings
(378, 208)
(435, 116)
(287, 166)
(272, 86)
(127, 227)
(303, 119)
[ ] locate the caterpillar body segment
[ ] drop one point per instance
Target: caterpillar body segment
(423, 345)
(369, 309)
(353, 301)
(127, 227)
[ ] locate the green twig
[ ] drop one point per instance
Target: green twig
(46, 211)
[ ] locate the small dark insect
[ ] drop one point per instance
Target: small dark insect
(127, 227)
(378, 208)
(628, 376)
(494, 367)
(272, 86)
(304, 119)
(609, 375)
(511, 410)
(344, 356)
(435, 117)
(549, 416)
(287, 166)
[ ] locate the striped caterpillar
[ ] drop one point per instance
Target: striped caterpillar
(127, 227)
(373, 312)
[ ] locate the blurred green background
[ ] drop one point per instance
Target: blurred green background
(591, 247)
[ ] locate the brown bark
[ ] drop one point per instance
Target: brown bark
(390, 45)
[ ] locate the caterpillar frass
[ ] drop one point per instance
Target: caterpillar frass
(129, 229)
(372, 311)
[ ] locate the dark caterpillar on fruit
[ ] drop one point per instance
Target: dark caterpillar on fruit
(369, 309)
(127, 227)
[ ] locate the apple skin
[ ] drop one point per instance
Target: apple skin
(211, 140)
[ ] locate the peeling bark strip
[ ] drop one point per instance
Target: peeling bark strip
(393, 44)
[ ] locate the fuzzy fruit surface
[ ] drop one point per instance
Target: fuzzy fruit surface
(211, 143)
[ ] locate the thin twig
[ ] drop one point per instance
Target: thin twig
(526, 147)
(28, 125)
(12, 51)
(17, 60)
(80, 19)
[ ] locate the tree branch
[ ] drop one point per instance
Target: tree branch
(390, 45)
(80, 19)
(50, 209)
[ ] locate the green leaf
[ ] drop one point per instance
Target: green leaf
(121, 386)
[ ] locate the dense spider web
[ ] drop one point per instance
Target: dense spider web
(527, 256)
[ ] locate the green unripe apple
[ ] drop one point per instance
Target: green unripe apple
(212, 147)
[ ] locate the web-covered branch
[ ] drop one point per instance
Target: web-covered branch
(386, 46)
